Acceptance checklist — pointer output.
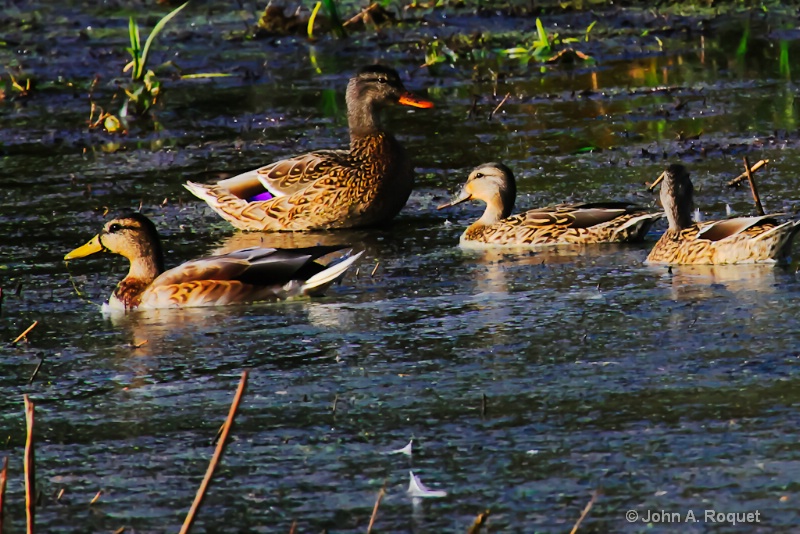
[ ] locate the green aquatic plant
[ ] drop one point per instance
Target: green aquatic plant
(544, 47)
(144, 88)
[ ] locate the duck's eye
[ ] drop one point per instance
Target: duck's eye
(479, 175)
(116, 227)
(381, 81)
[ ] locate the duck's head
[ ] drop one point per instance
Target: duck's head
(492, 183)
(376, 86)
(677, 196)
(131, 235)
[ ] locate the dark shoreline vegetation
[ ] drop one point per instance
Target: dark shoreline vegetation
(530, 384)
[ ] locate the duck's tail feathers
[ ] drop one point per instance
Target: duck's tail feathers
(637, 227)
(317, 284)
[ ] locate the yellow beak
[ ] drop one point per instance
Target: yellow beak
(89, 248)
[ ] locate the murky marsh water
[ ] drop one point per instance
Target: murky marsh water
(666, 391)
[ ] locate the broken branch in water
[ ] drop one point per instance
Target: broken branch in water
(499, 106)
(381, 493)
(3, 478)
(25, 333)
(753, 189)
(585, 512)
(739, 179)
(201, 492)
(30, 466)
(478, 523)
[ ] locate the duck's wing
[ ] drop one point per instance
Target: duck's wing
(571, 218)
(253, 266)
(568, 208)
(718, 230)
(283, 177)
(288, 176)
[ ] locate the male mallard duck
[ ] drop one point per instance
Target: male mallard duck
(564, 224)
(246, 275)
(739, 240)
(366, 185)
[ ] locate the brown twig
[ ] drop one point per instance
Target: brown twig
(3, 478)
(739, 179)
(753, 188)
(36, 371)
(201, 492)
(381, 493)
(478, 523)
(375, 270)
(584, 513)
(294, 526)
(30, 464)
(499, 106)
(96, 497)
(25, 333)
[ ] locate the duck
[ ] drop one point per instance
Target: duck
(366, 185)
(246, 275)
(738, 240)
(561, 224)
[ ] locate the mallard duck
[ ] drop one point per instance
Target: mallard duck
(328, 189)
(738, 240)
(563, 224)
(246, 275)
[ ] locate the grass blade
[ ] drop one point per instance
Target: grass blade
(156, 30)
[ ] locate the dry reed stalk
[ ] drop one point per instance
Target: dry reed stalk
(30, 467)
(753, 189)
(375, 270)
(584, 513)
(201, 492)
(96, 497)
(478, 523)
(294, 526)
(495, 110)
(739, 179)
(378, 500)
(3, 478)
(25, 333)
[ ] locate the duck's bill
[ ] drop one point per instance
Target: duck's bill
(407, 99)
(462, 196)
(658, 181)
(89, 248)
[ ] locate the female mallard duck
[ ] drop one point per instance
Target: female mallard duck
(739, 240)
(564, 224)
(245, 275)
(366, 185)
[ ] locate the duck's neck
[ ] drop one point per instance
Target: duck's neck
(363, 118)
(141, 274)
(679, 214)
(495, 211)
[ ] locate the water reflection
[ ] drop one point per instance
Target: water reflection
(700, 282)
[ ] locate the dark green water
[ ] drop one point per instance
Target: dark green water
(666, 391)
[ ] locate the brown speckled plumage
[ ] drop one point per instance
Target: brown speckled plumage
(330, 189)
(564, 224)
(245, 275)
(737, 240)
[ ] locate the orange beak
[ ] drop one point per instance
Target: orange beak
(407, 99)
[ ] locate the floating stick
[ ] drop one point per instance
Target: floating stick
(30, 464)
(499, 106)
(584, 513)
(739, 179)
(3, 478)
(35, 372)
(381, 493)
(753, 188)
(478, 523)
(25, 333)
(201, 492)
